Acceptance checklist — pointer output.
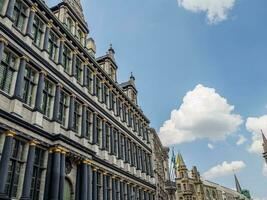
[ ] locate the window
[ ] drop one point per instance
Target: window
(108, 187)
(47, 98)
(38, 168)
(107, 146)
(120, 113)
(7, 70)
(14, 168)
(52, 46)
(98, 88)
(37, 31)
(66, 59)
(90, 80)
(80, 35)
(19, 15)
(106, 95)
(77, 117)
(69, 23)
(98, 129)
(122, 146)
(78, 70)
(89, 124)
(29, 85)
(115, 135)
(113, 102)
(134, 153)
(63, 107)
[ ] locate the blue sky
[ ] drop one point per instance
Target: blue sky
(171, 49)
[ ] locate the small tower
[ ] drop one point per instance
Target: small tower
(264, 146)
(198, 184)
(237, 185)
(182, 171)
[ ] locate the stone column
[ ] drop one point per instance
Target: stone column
(47, 33)
(74, 57)
(10, 9)
(71, 112)
(85, 81)
(105, 186)
(48, 175)
(55, 175)
(84, 130)
(113, 188)
(62, 173)
(39, 92)
(60, 51)
(111, 140)
(90, 183)
(57, 103)
(84, 180)
(31, 19)
(6, 153)
(104, 134)
(26, 191)
(3, 43)
(94, 186)
(94, 128)
(18, 93)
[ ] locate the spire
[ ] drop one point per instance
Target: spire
(264, 142)
(111, 52)
(179, 160)
(237, 185)
(132, 78)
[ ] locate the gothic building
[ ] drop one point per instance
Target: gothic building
(264, 147)
(68, 129)
(191, 186)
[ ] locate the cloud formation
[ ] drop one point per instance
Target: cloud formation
(203, 114)
(254, 126)
(216, 10)
(224, 169)
(210, 146)
(241, 140)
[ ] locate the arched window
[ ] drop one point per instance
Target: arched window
(80, 35)
(69, 23)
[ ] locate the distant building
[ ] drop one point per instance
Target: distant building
(264, 147)
(190, 186)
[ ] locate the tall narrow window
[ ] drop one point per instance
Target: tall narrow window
(38, 169)
(66, 58)
(98, 130)
(108, 188)
(63, 107)
(69, 23)
(77, 117)
(48, 95)
(79, 70)
(90, 80)
(7, 70)
(19, 14)
(30, 82)
(122, 146)
(114, 102)
(106, 95)
(107, 146)
(52, 45)
(89, 124)
(98, 88)
(14, 169)
(37, 31)
(115, 135)
(80, 35)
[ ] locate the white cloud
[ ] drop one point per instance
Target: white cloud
(254, 125)
(216, 10)
(241, 140)
(203, 114)
(210, 146)
(224, 169)
(264, 169)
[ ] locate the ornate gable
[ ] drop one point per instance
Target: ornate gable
(77, 7)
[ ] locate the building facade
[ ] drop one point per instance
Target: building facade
(190, 186)
(68, 129)
(161, 171)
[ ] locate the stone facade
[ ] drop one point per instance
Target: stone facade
(161, 158)
(68, 130)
